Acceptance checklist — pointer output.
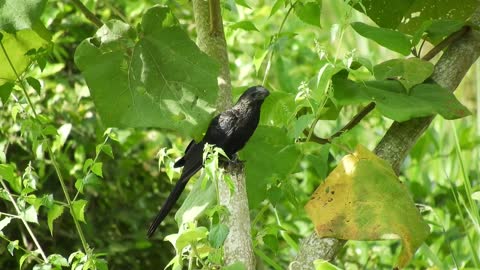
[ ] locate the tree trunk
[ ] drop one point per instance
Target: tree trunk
(238, 246)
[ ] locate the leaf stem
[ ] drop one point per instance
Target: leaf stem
(50, 152)
(273, 40)
(88, 14)
(30, 232)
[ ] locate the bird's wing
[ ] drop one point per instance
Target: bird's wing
(222, 128)
(181, 161)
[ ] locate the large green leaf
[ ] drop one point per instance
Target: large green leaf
(269, 155)
(411, 71)
(362, 199)
(387, 38)
(409, 15)
(278, 109)
(18, 15)
(395, 103)
(202, 196)
(155, 78)
(17, 45)
(309, 12)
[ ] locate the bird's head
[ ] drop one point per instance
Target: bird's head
(254, 94)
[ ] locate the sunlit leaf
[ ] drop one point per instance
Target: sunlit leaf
(324, 265)
(4, 222)
(245, 25)
(16, 45)
(394, 102)
(78, 208)
(57, 260)
(409, 15)
(160, 79)
(53, 213)
(12, 246)
(309, 12)
(362, 199)
(390, 39)
(198, 200)
(411, 71)
(97, 168)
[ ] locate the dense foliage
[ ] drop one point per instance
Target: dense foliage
(93, 118)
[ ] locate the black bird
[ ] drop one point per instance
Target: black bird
(229, 130)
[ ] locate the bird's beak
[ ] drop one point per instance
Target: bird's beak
(262, 92)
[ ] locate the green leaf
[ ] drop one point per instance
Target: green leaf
(278, 109)
(7, 172)
(78, 208)
(18, 15)
(12, 246)
(202, 196)
(87, 164)
(186, 237)
(53, 213)
(412, 70)
(409, 15)
(393, 101)
(5, 90)
(90, 180)
(23, 258)
(309, 12)
(160, 79)
(475, 196)
(57, 260)
(324, 265)
(35, 84)
(217, 235)
(16, 45)
(439, 29)
(29, 214)
(43, 266)
(97, 168)
(278, 4)
(235, 266)
(363, 199)
(4, 222)
(245, 25)
(242, 3)
(260, 170)
(105, 148)
(387, 38)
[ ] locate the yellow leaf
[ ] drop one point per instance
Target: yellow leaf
(362, 199)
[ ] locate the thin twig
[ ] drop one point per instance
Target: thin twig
(49, 150)
(30, 232)
(355, 120)
(367, 109)
(88, 14)
(269, 62)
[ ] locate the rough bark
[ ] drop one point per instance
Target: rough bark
(401, 137)
(238, 246)
(211, 40)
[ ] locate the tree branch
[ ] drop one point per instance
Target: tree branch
(88, 14)
(370, 106)
(238, 246)
(401, 137)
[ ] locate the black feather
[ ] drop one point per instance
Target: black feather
(229, 130)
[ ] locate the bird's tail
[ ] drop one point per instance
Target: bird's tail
(172, 199)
